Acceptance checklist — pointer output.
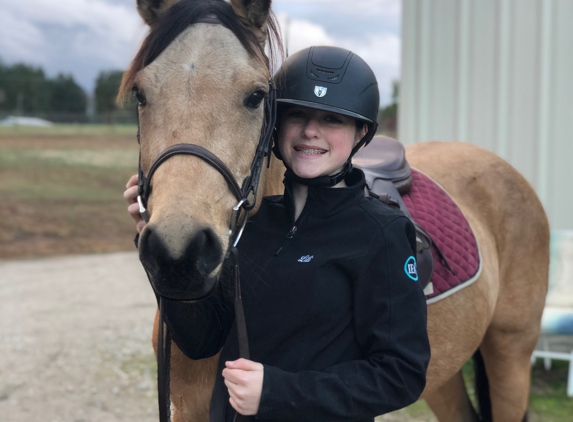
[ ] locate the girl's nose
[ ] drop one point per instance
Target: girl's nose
(310, 128)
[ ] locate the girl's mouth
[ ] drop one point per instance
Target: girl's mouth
(310, 150)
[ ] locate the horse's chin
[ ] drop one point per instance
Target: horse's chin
(185, 290)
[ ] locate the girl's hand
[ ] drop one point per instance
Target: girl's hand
(244, 380)
(130, 195)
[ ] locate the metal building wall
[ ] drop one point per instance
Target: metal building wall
(497, 74)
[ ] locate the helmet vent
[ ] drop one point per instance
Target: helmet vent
(325, 75)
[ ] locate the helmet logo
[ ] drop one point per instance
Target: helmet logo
(320, 91)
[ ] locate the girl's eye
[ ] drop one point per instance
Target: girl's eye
(332, 119)
(296, 114)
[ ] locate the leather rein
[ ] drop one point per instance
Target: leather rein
(246, 195)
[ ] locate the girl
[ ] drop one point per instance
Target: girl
(336, 320)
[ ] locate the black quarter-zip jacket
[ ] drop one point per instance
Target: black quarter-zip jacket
(332, 307)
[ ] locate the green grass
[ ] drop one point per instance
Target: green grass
(69, 130)
(53, 174)
(548, 401)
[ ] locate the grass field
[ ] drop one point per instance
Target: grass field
(69, 130)
(61, 191)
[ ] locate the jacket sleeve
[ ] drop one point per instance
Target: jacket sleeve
(390, 325)
(200, 329)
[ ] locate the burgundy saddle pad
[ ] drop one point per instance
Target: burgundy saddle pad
(433, 209)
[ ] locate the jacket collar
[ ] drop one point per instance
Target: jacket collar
(326, 201)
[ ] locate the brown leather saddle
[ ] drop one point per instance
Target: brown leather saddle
(388, 176)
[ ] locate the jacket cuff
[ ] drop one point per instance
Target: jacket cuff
(271, 394)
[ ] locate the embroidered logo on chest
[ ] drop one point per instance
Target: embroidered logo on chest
(306, 258)
(410, 268)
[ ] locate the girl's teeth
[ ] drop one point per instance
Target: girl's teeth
(310, 151)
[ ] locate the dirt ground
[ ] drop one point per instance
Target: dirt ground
(75, 340)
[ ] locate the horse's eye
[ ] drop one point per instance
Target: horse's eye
(255, 99)
(139, 96)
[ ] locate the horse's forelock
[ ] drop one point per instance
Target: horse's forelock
(187, 12)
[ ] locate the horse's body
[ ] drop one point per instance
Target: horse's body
(194, 91)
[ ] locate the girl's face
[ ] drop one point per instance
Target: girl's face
(316, 143)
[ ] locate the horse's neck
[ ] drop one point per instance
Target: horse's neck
(273, 182)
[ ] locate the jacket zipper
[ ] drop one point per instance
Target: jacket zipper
(306, 211)
(289, 236)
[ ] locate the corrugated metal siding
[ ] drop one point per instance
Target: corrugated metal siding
(498, 74)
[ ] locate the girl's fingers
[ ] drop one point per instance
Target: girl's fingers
(132, 181)
(245, 364)
(133, 210)
(130, 195)
(236, 376)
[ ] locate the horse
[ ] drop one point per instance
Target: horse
(195, 80)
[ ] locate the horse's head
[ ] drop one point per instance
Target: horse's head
(199, 78)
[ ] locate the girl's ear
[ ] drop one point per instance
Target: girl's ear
(360, 133)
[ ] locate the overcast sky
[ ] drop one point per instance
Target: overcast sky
(83, 37)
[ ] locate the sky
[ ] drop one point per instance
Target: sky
(84, 37)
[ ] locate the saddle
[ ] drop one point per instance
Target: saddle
(388, 176)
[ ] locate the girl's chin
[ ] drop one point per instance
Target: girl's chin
(306, 173)
(312, 174)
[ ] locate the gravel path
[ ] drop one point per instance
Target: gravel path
(75, 340)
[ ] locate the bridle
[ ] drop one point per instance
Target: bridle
(246, 195)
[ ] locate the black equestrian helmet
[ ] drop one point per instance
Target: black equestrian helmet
(335, 80)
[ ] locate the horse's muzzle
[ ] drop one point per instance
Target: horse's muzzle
(186, 274)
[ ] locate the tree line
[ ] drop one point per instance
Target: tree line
(26, 90)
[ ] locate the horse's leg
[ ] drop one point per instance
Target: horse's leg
(512, 335)
(192, 383)
(451, 403)
(523, 247)
(508, 367)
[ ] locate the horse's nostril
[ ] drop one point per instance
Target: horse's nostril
(207, 249)
(180, 269)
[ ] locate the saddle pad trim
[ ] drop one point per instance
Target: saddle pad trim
(469, 281)
(456, 289)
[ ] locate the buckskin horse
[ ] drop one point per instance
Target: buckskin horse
(199, 78)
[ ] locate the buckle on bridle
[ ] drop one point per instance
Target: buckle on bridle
(235, 213)
(142, 210)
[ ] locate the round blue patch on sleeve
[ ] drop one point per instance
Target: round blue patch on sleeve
(410, 268)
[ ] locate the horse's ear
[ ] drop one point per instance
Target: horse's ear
(253, 14)
(150, 10)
